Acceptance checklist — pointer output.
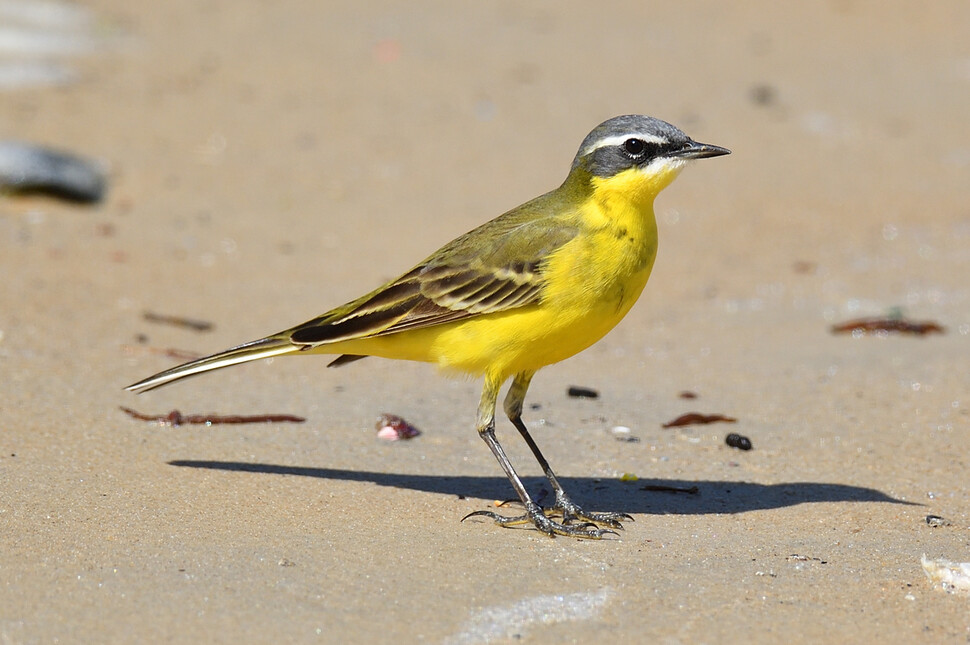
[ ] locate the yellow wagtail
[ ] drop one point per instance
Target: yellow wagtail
(529, 288)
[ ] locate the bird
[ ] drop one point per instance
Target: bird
(527, 289)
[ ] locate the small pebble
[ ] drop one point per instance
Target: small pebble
(391, 427)
(738, 441)
(29, 168)
(580, 392)
(623, 433)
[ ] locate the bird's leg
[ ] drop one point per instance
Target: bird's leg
(571, 512)
(533, 513)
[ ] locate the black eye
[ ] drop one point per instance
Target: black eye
(634, 147)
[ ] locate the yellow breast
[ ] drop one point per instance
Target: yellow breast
(591, 283)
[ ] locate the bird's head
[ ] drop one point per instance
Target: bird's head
(637, 156)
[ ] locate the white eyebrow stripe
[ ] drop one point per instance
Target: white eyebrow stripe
(620, 138)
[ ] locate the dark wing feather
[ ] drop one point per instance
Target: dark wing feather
(461, 280)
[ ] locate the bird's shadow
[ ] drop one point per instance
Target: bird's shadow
(694, 497)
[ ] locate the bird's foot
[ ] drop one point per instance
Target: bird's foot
(571, 526)
(571, 513)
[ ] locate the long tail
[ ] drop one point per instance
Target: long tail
(252, 351)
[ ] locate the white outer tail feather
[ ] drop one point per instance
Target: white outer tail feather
(252, 351)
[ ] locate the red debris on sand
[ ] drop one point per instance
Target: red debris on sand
(695, 418)
(886, 325)
(176, 418)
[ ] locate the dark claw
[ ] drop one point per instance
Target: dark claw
(501, 519)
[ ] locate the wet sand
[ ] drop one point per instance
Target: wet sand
(271, 160)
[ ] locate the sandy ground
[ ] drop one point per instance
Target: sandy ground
(272, 160)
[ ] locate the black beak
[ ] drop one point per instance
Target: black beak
(700, 151)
